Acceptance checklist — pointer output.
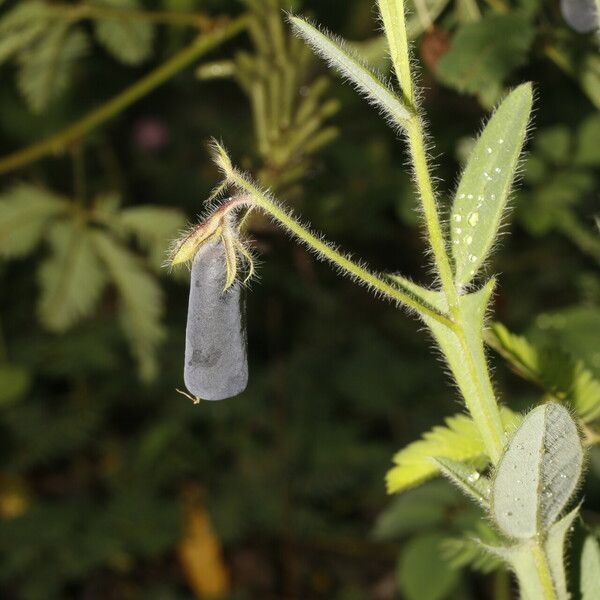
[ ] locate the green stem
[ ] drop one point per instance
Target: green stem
(543, 571)
(62, 140)
(260, 200)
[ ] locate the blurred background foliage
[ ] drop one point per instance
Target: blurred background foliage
(112, 485)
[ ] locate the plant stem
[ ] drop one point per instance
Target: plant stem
(59, 142)
(543, 571)
(325, 250)
(79, 12)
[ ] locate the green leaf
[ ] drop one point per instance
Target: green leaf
(556, 371)
(422, 572)
(71, 277)
(538, 473)
(476, 61)
(154, 228)
(458, 440)
(466, 478)
(141, 301)
(14, 383)
(469, 551)
(422, 508)
(24, 212)
(21, 26)
(340, 57)
(45, 67)
(590, 569)
(486, 182)
(128, 40)
(588, 149)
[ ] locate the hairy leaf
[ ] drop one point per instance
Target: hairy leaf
(538, 472)
(25, 210)
(458, 440)
(141, 301)
(556, 371)
(476, 61)
(128, 40)
(486, 182)
(590, 569)
(71, 277)
(341, 58)
(466, 478)
(45, 66)
(469, 551)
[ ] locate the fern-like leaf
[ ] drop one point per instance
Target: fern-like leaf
(71, 277)
(24, 212)
(45, 66)
(141, 301)
(154, 227)
(559, 374)
(129, 41)
(458, 440)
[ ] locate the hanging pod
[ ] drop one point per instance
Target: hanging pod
(216, 361)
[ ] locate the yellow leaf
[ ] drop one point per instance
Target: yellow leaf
(201, 557)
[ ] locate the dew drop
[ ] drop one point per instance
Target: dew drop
(458, 230)
(473, 477)
(489, 150)
(501, 141)
(498, 169)
(468, 240)
(470, 196)
(473, 219)
(472, 258)
(457, 218)
(461, 196)
(456, 242)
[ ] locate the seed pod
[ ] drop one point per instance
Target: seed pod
(580, 15)
(216, 363)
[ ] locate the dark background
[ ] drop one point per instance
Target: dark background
(103, 474)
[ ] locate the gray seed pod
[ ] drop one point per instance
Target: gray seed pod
(216, 363)
(580, 15)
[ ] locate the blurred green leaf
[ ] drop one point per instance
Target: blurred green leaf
(141, 301)
(45, 67)
(71, 277)
(25, 210)
(422, 572)
(477, 61)
(590, 569)
(14, 383)
(128, 40)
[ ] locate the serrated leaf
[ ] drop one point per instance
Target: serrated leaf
(21, 26)
(141, 301)
(538, 473)
(71, 277)
(154, 228)
(458, 440)
(486, 182)
(476, 61)
(556, 371)
(422, 572)
(24, 212)
(129, 41)
(45, 67)
(340, 57)
(590, 569)
(466, 478)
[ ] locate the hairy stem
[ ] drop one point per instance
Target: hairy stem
(543, 571)
(61, 141)
(257, 199)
